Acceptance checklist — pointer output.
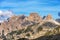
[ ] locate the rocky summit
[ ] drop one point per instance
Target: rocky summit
(32, 27)
(48, 17)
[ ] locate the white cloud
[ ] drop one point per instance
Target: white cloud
(6, 13)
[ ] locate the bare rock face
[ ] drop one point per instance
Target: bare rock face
(12, 24)
(19, 22)
(15, 23)
(49, 17)
(35, 17)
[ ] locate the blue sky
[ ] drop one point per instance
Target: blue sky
(43, 7)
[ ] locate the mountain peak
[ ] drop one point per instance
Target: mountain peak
(49, 17)
(35, 17)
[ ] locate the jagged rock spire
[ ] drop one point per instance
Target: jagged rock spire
(48, 17)
(34, 17)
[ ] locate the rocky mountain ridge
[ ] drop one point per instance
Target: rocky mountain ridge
(31, 27)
